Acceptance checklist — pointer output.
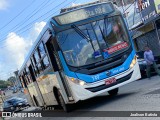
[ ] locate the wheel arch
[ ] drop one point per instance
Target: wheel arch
(55, 92)
(35, 101)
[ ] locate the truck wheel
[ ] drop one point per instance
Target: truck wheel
(113, 92)
(65, 107)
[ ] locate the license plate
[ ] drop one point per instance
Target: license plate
(110, 81)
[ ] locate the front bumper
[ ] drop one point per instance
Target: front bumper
(94, 89)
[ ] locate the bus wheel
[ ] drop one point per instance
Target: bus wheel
(113, 92)
(65, 107)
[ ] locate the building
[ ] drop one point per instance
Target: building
(148, 34)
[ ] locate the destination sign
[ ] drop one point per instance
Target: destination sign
(84, 13)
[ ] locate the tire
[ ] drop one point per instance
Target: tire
(113, 92)
(28, 105)
(61, 102)
(13, 109)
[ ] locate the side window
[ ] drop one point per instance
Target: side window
(39, 61)
(21, 81)
(33, 66)
(36, 56)
(33, 62)
(24, 80)
(41, 49)
(32, 73)
(39, 68)
(51, 48)
(28, 75)
(45, 62)
(44, 59)
(25, 77)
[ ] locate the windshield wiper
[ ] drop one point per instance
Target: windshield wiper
(81, 33)
(103, 35)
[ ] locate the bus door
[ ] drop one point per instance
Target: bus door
(51, 49)
(35, 90)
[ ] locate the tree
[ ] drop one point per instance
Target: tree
(12, 80)
(4, 84)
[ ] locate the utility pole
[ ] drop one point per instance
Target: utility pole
(17, 82)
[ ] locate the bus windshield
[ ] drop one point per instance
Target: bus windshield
(93, 42)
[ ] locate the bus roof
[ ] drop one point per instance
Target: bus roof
(74, 15)
(82, 5)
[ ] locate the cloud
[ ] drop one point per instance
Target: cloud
(75, 4)
(13, 54)
(36, 30)
(17, 47)
(4, 4)
(18, 50)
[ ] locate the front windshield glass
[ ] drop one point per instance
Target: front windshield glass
(106, 37)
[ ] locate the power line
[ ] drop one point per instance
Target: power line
(39, 18)
(22, 22)
(2, 39)
(17, 15)
(29, 17)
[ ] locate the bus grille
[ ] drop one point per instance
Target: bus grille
(105, 65)
(104, 86)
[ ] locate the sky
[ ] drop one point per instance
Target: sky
(20, 23)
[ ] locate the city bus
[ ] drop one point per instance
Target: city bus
(83, 52)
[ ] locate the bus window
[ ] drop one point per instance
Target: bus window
(45, 62)
(32, 73)
(24, 81)
(44, 59)
(110, 31)
(39, 68)
(28, 75)
(52, 55)
(36, 56)
(21, 81)
(34, 65)
(37, 61)
(41, 49)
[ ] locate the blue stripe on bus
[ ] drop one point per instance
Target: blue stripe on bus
(93, 78)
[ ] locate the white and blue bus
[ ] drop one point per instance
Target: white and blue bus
(81, 53)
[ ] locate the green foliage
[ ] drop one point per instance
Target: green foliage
(12, 79)
(4, 84)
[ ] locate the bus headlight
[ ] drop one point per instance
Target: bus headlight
(133, 62)
(77, 81)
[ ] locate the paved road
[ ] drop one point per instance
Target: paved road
(141, 95)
